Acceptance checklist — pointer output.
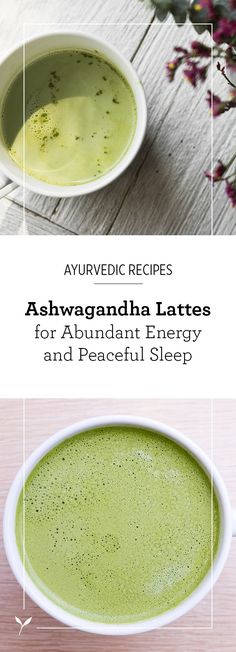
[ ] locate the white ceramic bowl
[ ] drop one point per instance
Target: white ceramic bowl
(12, 65)
(99, 627)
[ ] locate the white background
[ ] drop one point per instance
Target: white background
(32, 269)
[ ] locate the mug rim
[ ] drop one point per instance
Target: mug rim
(98, 627)
(76, 190)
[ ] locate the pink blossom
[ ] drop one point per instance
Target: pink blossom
(180, 50)
(231, 192)
(209, 6)
(200, 50)
(217, 173)
(191, 73)
(194, 73)
(202, 73)
(226, 29)
(171, 68)
(216, 105)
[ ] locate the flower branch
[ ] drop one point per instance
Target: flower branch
(218, 18)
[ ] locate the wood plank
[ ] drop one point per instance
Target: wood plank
(225, 138)
(43, 417)
(44, 206)
(225, 219)
(3, 180)
(14, 222)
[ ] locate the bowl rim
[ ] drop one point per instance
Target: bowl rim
(52, 190)
(141, 626)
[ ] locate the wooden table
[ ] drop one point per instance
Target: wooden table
(193, 417)
(164, 190)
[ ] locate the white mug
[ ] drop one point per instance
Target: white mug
(228, 527)
(12, 65)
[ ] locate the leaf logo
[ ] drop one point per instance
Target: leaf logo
(22, 625)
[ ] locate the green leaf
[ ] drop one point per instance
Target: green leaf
(200, 28)
(223, 6)
(162, 8)
(180, 10)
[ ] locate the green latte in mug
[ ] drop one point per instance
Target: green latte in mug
(118, 524)
(77, 121)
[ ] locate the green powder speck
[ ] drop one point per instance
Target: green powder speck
(67, 98)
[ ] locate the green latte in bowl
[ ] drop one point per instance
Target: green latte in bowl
(118, 524)
(70, 119)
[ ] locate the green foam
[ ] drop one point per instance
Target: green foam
(118, 524)
(80, 117)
